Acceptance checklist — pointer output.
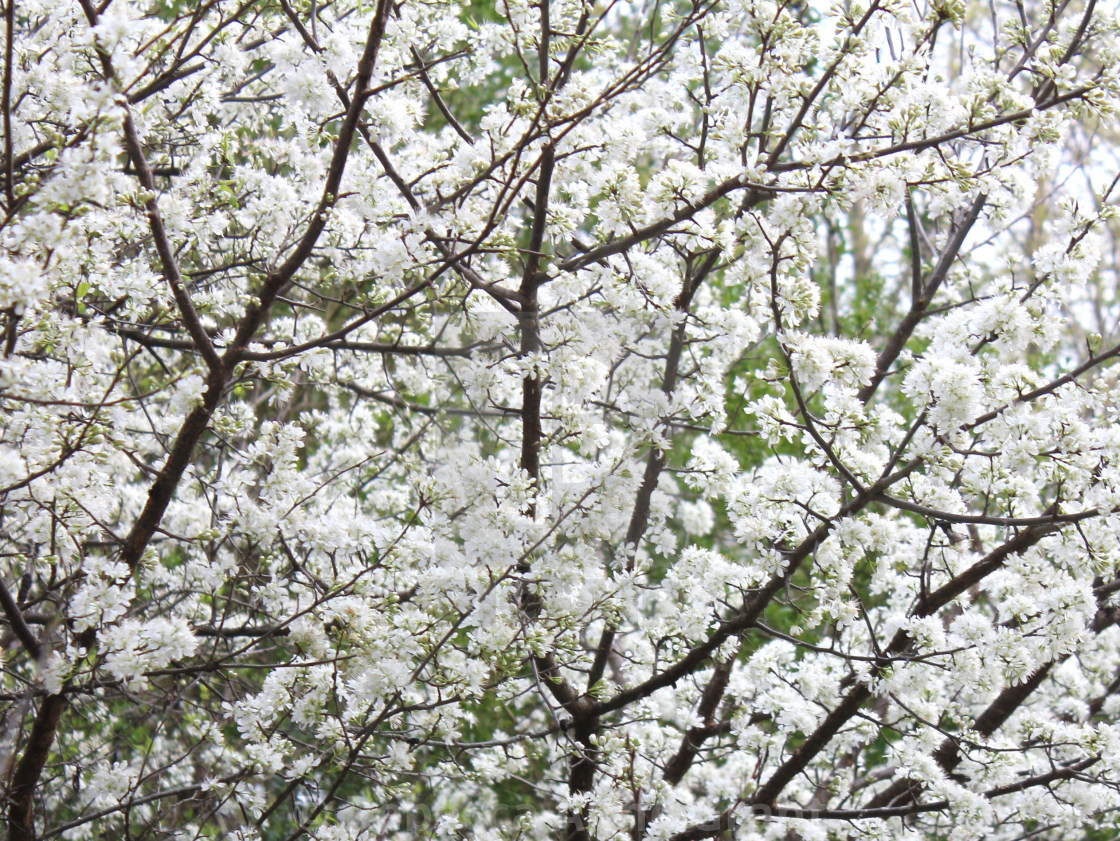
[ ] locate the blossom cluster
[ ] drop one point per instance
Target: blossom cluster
(560, 419)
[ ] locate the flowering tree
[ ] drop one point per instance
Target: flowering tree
(571, 420)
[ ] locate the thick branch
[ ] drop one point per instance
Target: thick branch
(19, 625)
(921, 301)
(854, 700)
